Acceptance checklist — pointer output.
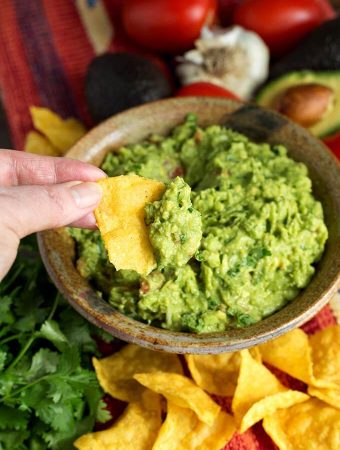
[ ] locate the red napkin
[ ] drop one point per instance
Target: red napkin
(45, 48)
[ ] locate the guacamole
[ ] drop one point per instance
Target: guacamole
(235, 234)
(175, 227)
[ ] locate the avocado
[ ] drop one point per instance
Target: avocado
(319, 51)
(118, 81)
(329, 123)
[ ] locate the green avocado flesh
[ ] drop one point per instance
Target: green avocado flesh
(235, 234)
(330, 122)
(175, 227)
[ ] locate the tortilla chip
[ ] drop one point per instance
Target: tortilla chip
(330, 396)
(204, 437)
(217, 374)
(259, 393)
(183, 392)
(298, 361)
(136, 429)
(120, 218)
(182, 430)
(309, 425)
(255, 382)
(325, 346)
(179, 422)
(62, 134)
(38, 144)
(115, 373)
(269, 405)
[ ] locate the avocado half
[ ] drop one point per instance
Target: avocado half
(330, 122)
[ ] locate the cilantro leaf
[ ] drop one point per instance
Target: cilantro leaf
(48, 397)
(77, 330)
(13, 419)
(103, 414)
(6, 315)
(102, 334)
(44, 361)
(69, 360)
(3, 358)
(59, 416)
(10, 440)
(50, 330)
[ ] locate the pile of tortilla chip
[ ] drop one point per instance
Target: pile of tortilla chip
(168, 410)
(54, 135)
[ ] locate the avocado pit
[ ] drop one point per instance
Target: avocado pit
(305, 104)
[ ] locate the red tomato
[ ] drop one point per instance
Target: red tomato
(282, 23)
(167, 25)
(206, 90)
(225, 11)
(333, 143)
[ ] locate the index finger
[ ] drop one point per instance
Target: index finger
(20, 168)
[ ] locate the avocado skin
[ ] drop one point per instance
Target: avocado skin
(118, 81)
(320, 50)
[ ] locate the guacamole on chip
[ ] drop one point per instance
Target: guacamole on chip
(235, 234)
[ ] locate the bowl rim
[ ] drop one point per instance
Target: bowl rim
(133, 331)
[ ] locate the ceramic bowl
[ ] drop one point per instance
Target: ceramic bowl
(58, 251)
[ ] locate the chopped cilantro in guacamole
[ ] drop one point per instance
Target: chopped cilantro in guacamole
(232, 251)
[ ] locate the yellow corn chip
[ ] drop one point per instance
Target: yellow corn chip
(217, 374)
(183, 392)
(178, 424)
(325, 345)
(62, 134)
(330, 396)
(259, 393)
(290, 353)
(182, 430)
(120, 218)
(269, 405)
(311, 425)
(115, 373)
(255, 382)
(215, 437)
(38, 144)
(136, 429)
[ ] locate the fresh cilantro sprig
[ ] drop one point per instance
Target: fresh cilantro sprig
(49, 394)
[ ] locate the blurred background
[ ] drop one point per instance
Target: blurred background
(101, 22)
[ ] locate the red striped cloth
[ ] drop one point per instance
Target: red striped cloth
(45, 49)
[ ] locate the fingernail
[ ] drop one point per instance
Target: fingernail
(86, 194)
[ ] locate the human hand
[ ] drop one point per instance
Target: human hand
(39, 193)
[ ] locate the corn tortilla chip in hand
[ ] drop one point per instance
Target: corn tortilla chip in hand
(120, 218)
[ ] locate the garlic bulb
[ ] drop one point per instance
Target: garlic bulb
(233, 58)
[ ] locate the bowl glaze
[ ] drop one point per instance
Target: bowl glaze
(58, 251)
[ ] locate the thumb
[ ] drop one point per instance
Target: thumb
(27, 209)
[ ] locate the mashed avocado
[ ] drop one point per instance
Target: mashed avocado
(232, 250)
(175, 227)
